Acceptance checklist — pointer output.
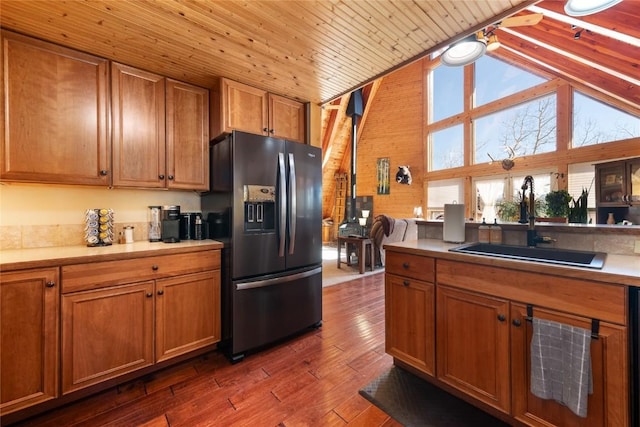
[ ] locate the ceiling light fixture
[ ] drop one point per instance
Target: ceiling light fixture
(587, 7)
(493, 43)
(465, 51)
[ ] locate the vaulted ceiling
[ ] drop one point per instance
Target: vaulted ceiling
(309, 50)
(600, 52)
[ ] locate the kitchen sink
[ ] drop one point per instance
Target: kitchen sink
(536, 254)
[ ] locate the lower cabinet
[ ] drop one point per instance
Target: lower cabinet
(473, 345)
(483, 335)
(409, 328)
(111, 327)
(106, 333)
(29, 332)
(607, 406)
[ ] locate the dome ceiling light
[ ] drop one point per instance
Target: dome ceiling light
(465, 51)
(587, 7)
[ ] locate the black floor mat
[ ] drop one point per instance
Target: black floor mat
(414, 402)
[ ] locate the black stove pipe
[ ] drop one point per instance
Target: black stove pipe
(354, 109)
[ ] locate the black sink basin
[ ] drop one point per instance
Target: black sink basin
(537, 254)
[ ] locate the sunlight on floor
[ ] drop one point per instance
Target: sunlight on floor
(329, 252)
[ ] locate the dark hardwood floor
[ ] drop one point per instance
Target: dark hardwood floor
(311, 380)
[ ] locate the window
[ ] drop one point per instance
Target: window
(448, 92)
(582, 176)
(522, 130)
(447, 148)
(440, 193)
(595, 122)
(496, 79)
(499, 197)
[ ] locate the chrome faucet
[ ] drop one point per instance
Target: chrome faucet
(532, 235)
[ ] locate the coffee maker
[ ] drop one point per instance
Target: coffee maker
(171, 224)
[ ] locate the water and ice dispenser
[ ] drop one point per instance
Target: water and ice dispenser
(259, 208)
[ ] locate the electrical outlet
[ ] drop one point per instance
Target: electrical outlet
(637, 247)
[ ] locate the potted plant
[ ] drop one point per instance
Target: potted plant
(557, 206)
(578, 212)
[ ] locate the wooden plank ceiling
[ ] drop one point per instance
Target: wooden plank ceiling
(604, 58)
(308, 50)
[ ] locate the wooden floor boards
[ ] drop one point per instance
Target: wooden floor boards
(310, 380)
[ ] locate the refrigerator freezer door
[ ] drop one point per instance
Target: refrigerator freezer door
(269, 309)
(305, 205)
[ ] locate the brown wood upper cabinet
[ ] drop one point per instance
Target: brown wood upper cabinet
(160, 131)
(54, 114)
(236, 106)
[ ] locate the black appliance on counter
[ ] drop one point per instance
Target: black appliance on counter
(634, 363)
(268, 194)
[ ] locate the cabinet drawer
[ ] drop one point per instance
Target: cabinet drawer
(415, 266)
(80, 277)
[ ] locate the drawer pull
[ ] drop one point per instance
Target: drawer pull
(161, 292)
(154, 267)
(149, 294)
(516, 322)
(502, 317)
(50, 284)
(405, 265)
(405, 282)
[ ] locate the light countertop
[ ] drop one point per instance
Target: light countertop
(64, 255)
(617, 269)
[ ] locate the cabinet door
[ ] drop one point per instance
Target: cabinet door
(138, 105)
(187, 313)
(610, 184)
(473, 345)
(286, 118)
(607, 406)
(187, 136)
(54, 114)
(409, 322)
(106, 333)
(28, 338)
(244, 108)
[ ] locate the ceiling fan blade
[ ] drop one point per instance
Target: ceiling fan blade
(522, 20)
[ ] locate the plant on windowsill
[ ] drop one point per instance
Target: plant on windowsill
(578, 212)
(557, 206)
(509, 210)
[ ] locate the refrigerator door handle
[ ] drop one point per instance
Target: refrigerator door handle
(292, 204)
(276, 280)
(282, 194)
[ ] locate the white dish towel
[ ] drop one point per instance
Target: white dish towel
(561, 364)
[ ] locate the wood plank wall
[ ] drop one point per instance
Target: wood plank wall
(394, 129)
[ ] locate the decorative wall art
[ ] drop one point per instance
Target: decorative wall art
(403, 176)
(383, 175)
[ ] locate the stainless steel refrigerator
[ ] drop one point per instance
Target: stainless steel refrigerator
(266, 202)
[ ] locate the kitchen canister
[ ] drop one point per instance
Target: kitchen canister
(98, 229)
(454, 224)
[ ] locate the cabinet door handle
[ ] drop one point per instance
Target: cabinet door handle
(502, 317)
(160, 176)
(516, 322)
(149, 294)
(154, 267)
(405, 265)
(104, 172)
(265, 130)
(271, 131)
(50, 284)
(161, 292)
(170, 177)
(406, 283)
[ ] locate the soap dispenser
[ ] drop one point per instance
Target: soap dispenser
(496, 233)
(484, 235)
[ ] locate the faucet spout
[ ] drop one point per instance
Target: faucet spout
(528, 184)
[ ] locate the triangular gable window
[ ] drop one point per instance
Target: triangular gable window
(497, 79)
